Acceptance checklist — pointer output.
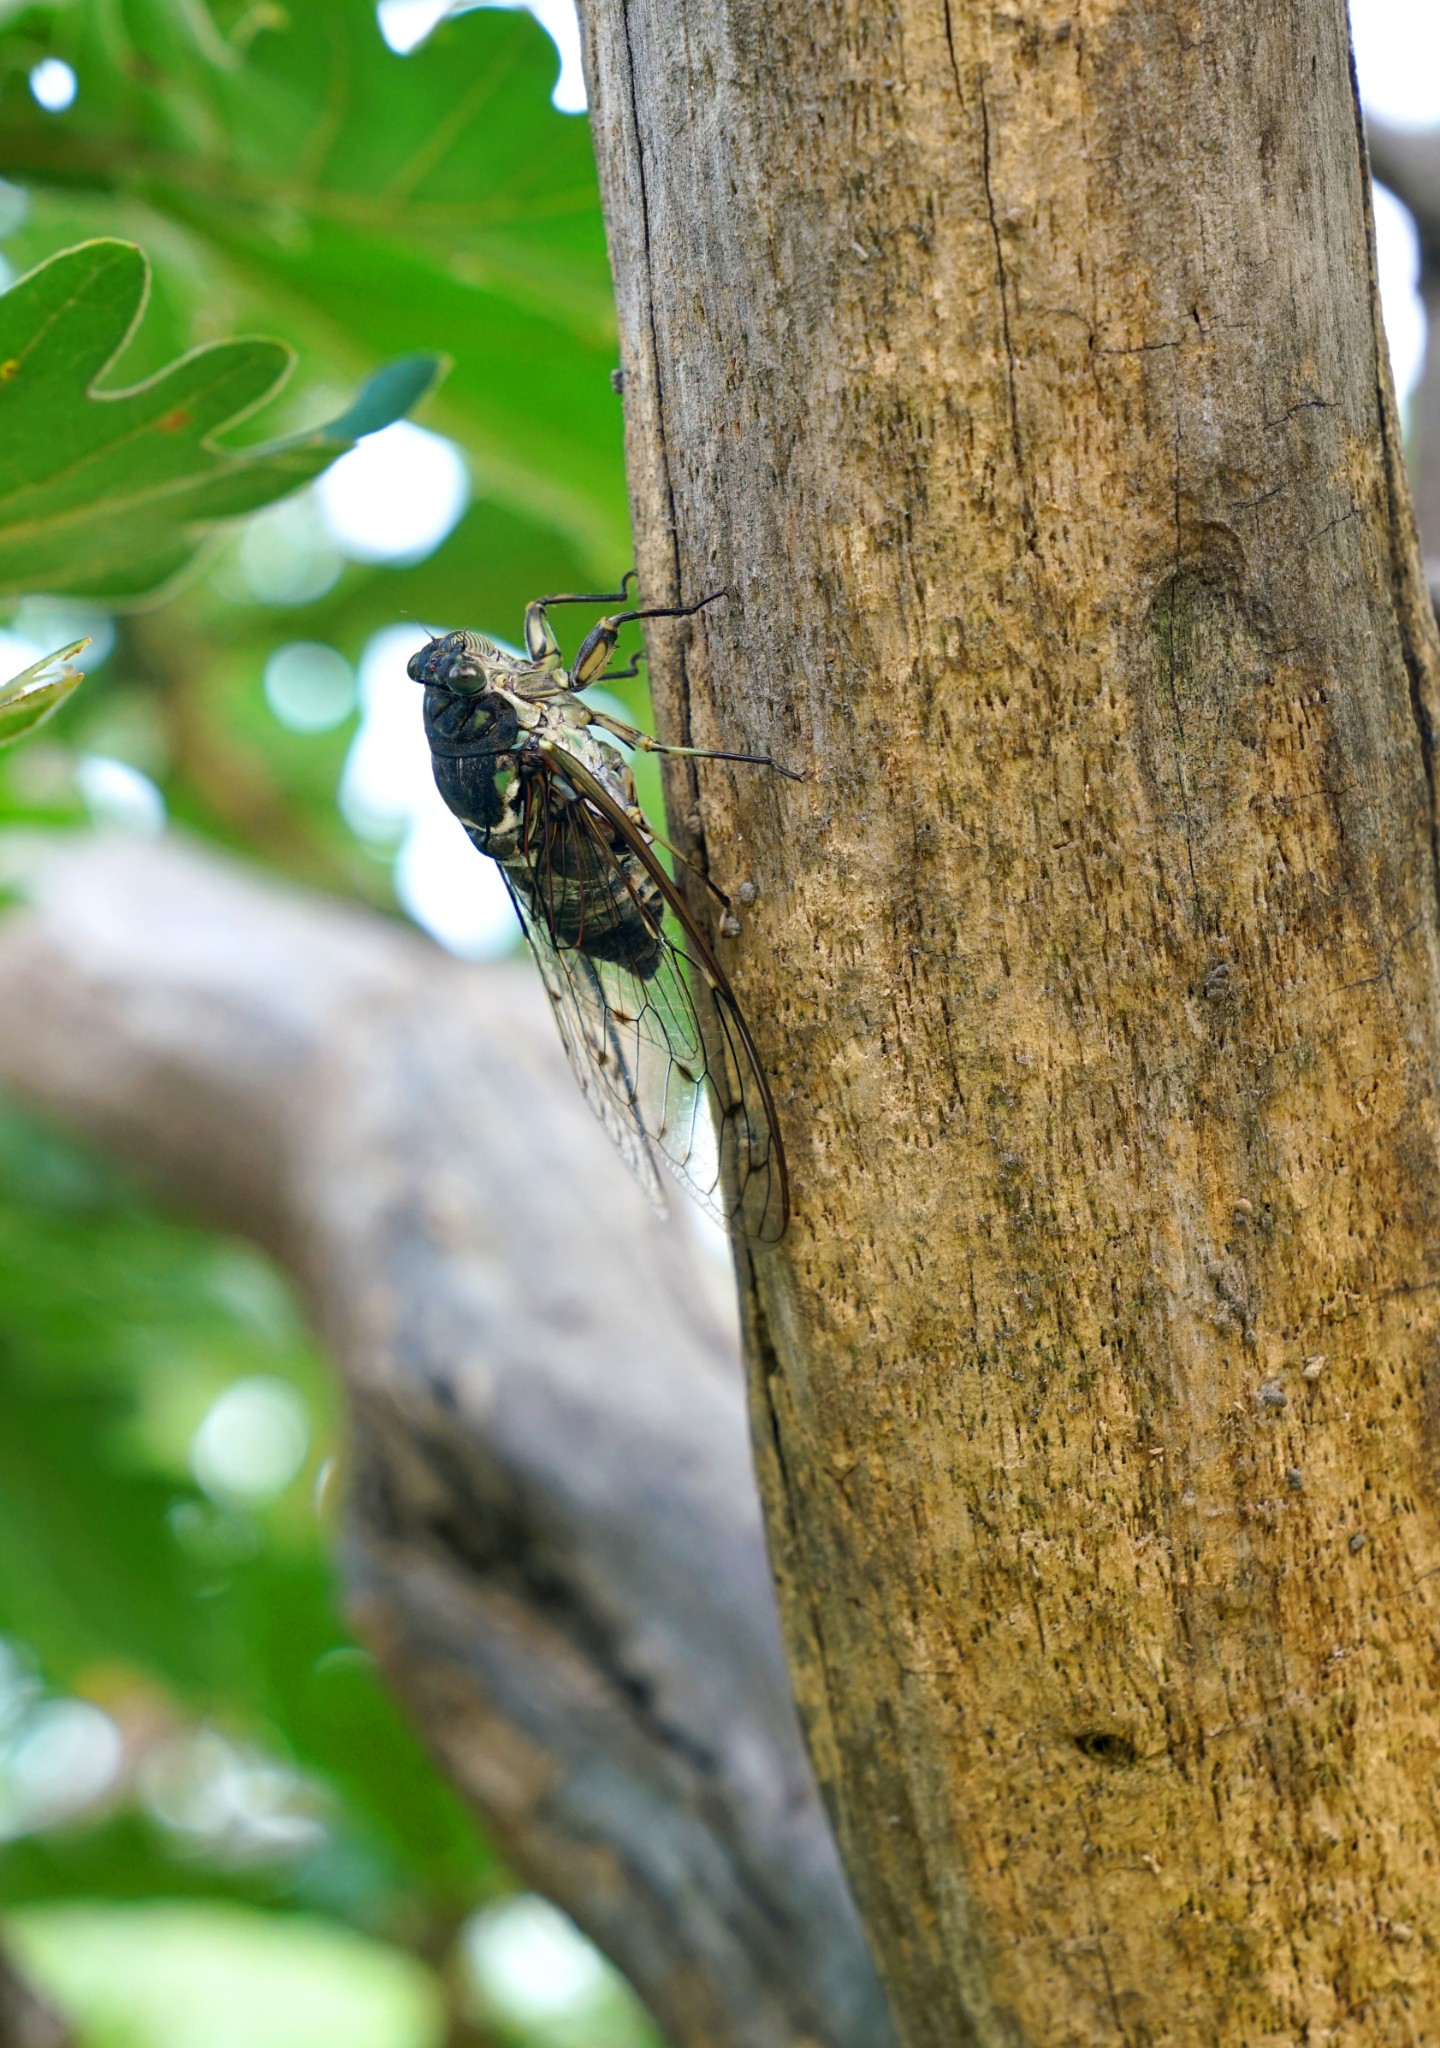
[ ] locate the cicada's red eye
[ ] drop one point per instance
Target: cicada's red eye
(444, 661)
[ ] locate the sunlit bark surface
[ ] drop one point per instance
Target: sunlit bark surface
(1018, 370)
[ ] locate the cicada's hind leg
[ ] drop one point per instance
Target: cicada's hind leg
(625, 782)
(540, 641)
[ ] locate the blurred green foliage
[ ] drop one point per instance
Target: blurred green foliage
(202, 1976)
(146, 1593)
(290, 177)
(263, 1762)
(283, 167)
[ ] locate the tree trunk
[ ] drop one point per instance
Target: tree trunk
(553, 1540)
(1019, 370)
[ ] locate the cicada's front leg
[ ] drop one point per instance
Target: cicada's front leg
(540, 642)
(593, 659)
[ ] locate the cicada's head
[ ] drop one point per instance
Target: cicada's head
(456, 661)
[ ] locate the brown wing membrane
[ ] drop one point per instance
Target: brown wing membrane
(633, 1032)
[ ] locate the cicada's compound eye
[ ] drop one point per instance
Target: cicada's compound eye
(439, 660)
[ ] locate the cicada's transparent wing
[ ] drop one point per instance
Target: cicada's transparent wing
(591, 886)
(592, 1045)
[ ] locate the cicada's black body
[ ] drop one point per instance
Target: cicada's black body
(586, 888)
(522, 763)
(472, 741)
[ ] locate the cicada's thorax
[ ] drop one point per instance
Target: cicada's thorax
(478, 710)
(472, 751)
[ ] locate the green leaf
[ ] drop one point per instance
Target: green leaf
(367, 204)
(107, 492)
(28, 699)
(392, 392)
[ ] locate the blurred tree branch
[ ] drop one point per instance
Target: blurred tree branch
(553, 1541)
(1407, 163)
(26, 2021)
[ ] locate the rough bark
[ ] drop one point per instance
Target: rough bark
(1019, 370)
(554, 1542)
(1409, 164)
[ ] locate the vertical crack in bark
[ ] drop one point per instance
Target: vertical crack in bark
(662, 448)
(768, 1362)
(1179, 739)
(646, 249)
(955, 70)
(1093, 1827)
(1026, 515)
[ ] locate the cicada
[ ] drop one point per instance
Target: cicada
(533, 775)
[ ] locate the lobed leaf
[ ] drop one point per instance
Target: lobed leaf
(108, 492)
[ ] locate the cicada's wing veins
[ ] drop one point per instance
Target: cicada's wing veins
(592, 1044)
(630, 1022)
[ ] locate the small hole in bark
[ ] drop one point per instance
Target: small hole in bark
(1104, 1746)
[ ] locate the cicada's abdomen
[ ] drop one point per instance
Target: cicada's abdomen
(593, 896)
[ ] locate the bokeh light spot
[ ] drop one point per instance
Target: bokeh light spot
(529, 1962)
(285, 555)
(65, 1756)
(395, 496)
(244, 1806)
(50, 622)
(14, 207)
(310, 687)
(252, 1442)
(53, 84)
(119, 796)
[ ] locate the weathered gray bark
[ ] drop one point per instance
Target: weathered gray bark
(1409, 164)
(1018, 369)
(554, 1543)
